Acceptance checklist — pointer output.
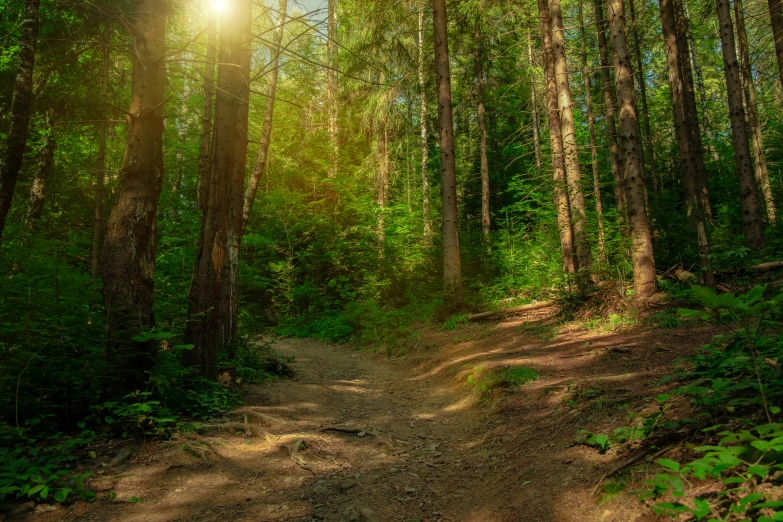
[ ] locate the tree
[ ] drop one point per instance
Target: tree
(425, 177)
(129, 248)
(482, 125)
(776, 19)
(43, 168)
(631, 144)
(20, 110)
(100, 175)
(452, 271)
(332, 86)
(213, 300)
(751, 211)
(207, 110)
(534, 105)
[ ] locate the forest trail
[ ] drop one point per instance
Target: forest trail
(416, 443)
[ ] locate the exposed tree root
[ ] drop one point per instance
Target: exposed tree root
(293, 450)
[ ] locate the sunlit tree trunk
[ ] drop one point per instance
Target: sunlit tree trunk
(332, 87)
(751, 212)
(425, 159)
(776, 19)
(382, 179)
(690, 180)
(42, 170)
(757, 141)
(576, 198)
(599, 207)
(100, 175)
(129, 249)
(631, 145)
(213, 299)
(207, 114)
(611, 128)
(269, 110)
(16, 140)
(567, 247)
(482, 125)
(534, 106)
(452, 270)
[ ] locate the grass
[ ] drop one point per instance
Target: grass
(485, 383)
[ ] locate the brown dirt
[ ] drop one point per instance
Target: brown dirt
(418, 443)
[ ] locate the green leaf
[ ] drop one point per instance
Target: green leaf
(108, 420)
(146, 408)
(62, 494)
(758, 469)
(702, 508)
(670, 464)
(45, 492)
(774, 410)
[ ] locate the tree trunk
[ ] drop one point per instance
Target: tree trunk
(332, 87)
(43, 168)
(425, 160)
(576, 198)
(212, 302)
(382, 180)
(757, 140)
(452, 271)
(702, 92)
(482, 125)
(751, 212)
(690, 180)
(643, 92)
(567, 248)
(599, 207)
(776, 19)
(129, 249)
(534, 104)
(269, 110)
(689, 97)
(16, 141)
(205, 140)
(97, 225)
(631, 144)
(611, 129)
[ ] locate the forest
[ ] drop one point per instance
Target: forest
(232, 227)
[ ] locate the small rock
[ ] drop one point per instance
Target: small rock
(409, 489)
(394, 470)
(361, 434)
(347, 484)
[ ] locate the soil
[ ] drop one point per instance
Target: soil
(359, 436)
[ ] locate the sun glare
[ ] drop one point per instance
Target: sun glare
(219, 6)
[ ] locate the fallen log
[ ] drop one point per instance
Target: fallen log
(510, 311)
(768, 266)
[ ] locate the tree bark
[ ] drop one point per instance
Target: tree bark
(213, 299)
(776, 19)
(611, 128)
(567, 247)
(332, 87)
(16, 141)
(43, 168)
(751, 212)
(129, 249)
(599, 207)
(207, 114)
(534, 104)
(452, 271)
(631, 144)
(690, 180)
(576, 198)
(482, 125)
(760, 168)
(382, 179)
(643, 92)
(100, 177)
(425, 160)
(269, 110)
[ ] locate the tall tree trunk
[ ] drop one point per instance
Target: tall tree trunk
(100, 177)
(332, 87)
(212, 302)
(269, 110)
(452, 270)
(576, 198)
(690, 179)
(129, 249)
(425, 160)
(16, 141)
(599, 206)
(205, 140)
(611, 128)
(757, 141)
(751, 212)
(692, 115)
(43, 168)
(631, 143)
(567, 247)
(382, 179)
(643, 92)
(482, 125)
(182, 132)
(534, 106)
(776, 19)
(699, 77)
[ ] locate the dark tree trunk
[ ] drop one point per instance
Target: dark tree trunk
(43, 168)
(212, 302)
(16, 140)
(129, 249)
(776, 18)
(751, 211)
(482, 124)
(452, 270)
(259, 169)
(207, 114)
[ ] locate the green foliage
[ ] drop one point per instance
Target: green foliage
(485, 383)
(454, 322)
